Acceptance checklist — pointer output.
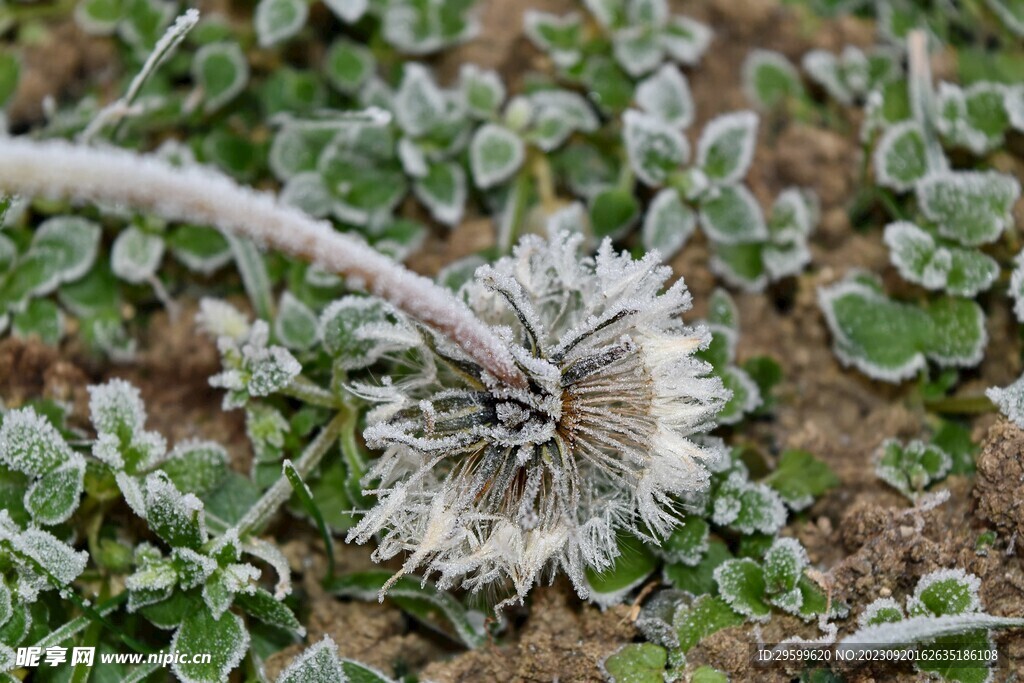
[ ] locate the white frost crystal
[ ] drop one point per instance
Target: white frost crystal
(488, 485)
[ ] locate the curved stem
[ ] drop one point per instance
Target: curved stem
(200, 195)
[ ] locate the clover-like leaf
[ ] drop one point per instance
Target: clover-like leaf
(731, 215)
(348, 65)
(443, 190)
(136, 255)
(494, 155)
(482, 91)
(685, 40)
(296, 324)
(278, 20)
(613, 211)
(636, 663)
(741, 583)
(666, 94)
(900, 159)
(53, 497)
(799, 478)
(196, 466)
(319, 663)
(29, 443)
(919, 259)
(71, 242)
(726, 146)
(1010, 400)
(221, 71)
(769, 78)
(225, 639)
(559, 37)
(655, 148)
(349, 11)
(175, 517)
(201, 249)
(971, 207)
(747, 507)
(627, 571)
(359, 330)
(419, 104)
(912, 467)
(667, 224)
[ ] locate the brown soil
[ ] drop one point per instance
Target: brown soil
(867, 539)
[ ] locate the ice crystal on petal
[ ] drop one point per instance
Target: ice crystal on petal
(488, 485)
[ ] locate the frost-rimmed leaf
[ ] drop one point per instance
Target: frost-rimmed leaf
(666, 94)
(971, 207)
(882, 338)
(60, 560)
(358, 672)
(358, 331)
(482, 90)
(747, 507)
(296, 325)
(975, 117)
(42, 319)
(308, 193)
(1010, 400)
(655, 148)
(769, 78)
(71, 241)
(136, 255)
(419, 104)
(638, 49)
(196, 466)
(199, 248)
(420, 28)
(225, 639)
(740, 265)
(349, 11)
(726, 146)
(29, 443)
(705, 616)
(222, 71)
(686, 40)
(919, 259)
(731, 215)
(556, 115)
(746, 396)
(98, 17)
(900, 159)
(741, 584)
(348, 65)
(420, 599)
(559, 36)
(688, 542)
(613, 212)
(667, 224)
(494, 155)
(319, 663)
(175, 517)
(443, 190)
(278, 20)
(958, 336)
(53, 498)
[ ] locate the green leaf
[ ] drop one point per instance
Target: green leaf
(196, 466)
(559, 36)
(629, 569)
(201, 249)
(958, 336)
(745, 398)
(144, 22)
(722, 310)
(357, 331)
(741, 265)
(667, 224)
(98, 17)
(53, 498)
(784, 565)
(234, 154)
(655, 148)
(421, 600)
(494, 155)
(706, 674)
(225, 639)
(10, 69)
(360, 673)
(971, 207)
(686, 40)
(263, 606)
(41, 319)
(443, 191)
(741, 584)
(296, 149)
(911, 468)
(420, 104)
(769, 79)
(731, 215)
(726, 146)
(296, 325)
(278, 20)
(348, 65)
(699, 579)
(71, 242)
(638, 49)
(612, 212)
(319, 663)
(221, 71)
(688, 542)
(705, 616)
(482, 91)
(800, 477)
(666, 94)
(747, 507)
(30, 444)
(900, 159)
(882, 338)
(175, 517)
(919, 259)
(636, 663)
(136, 255)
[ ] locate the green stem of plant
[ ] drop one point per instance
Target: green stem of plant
(961, 405)
(308, 391)
(78, 624)
(281, 490)
(254, 274)
(511, 223)
(922, 98)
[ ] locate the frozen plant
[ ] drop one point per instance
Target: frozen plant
(485, 483)
(912, 467)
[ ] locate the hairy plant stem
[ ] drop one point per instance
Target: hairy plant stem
(510, 224)
(961, 405)
(281, 490)
(255, 278)
(308, 391)
(200, 195)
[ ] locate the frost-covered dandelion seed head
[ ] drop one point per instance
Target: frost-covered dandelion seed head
(484, 485)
